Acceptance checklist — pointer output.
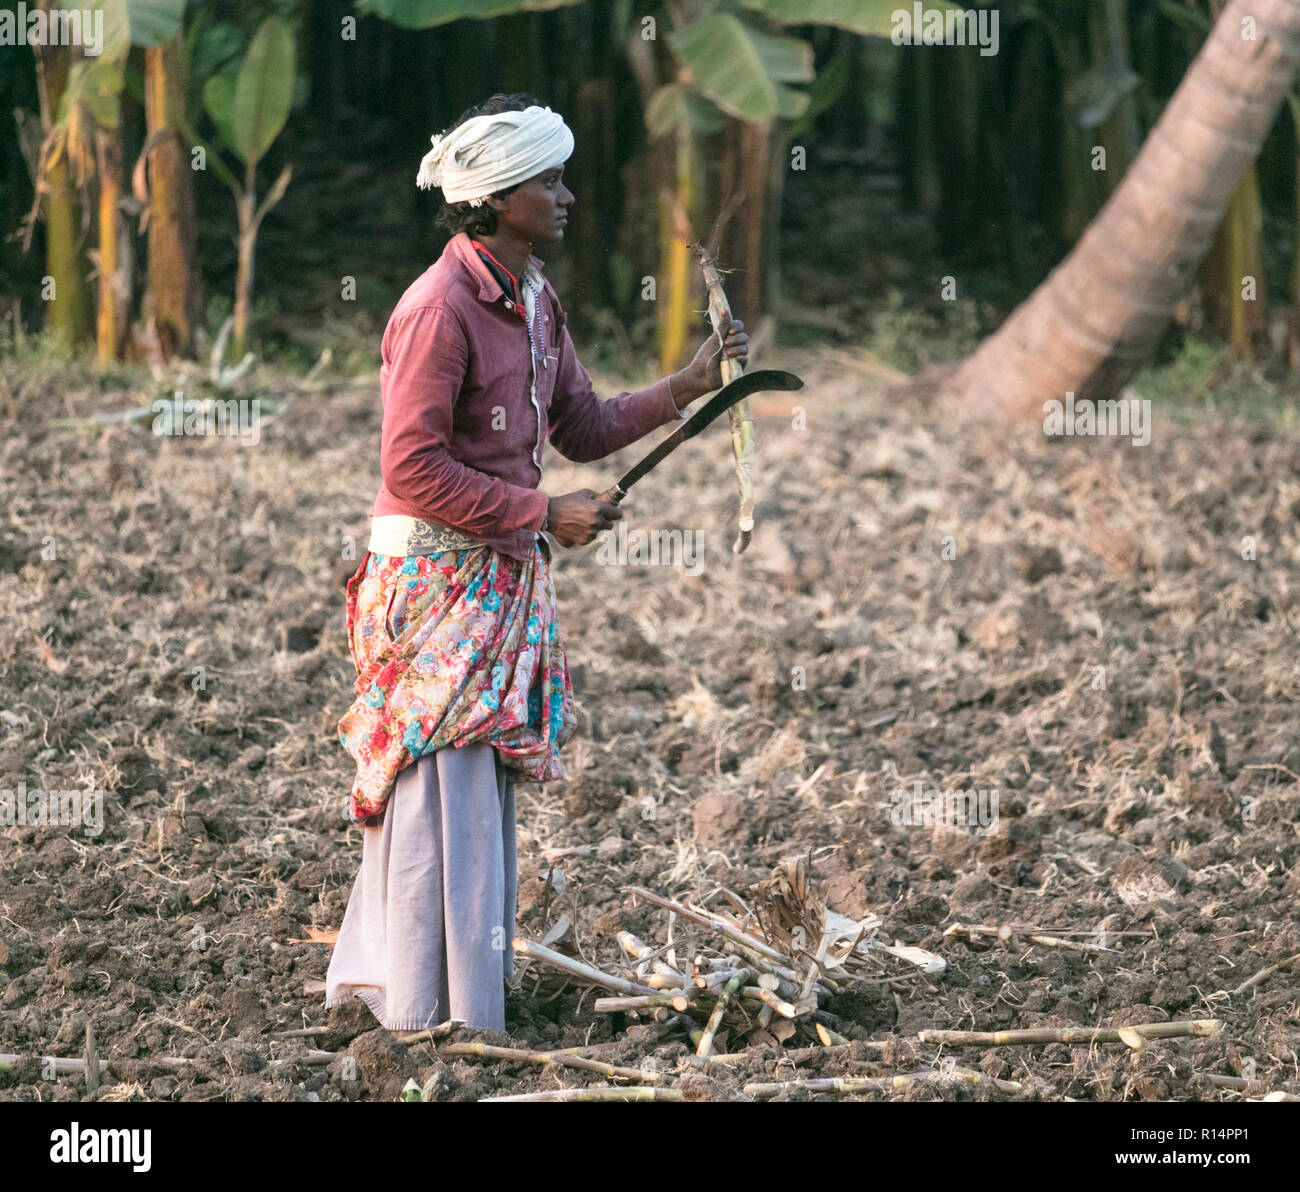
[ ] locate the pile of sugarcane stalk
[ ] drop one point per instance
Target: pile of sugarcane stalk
(749, 978)
(719, 999)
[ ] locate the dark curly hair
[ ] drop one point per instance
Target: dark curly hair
(482, 221)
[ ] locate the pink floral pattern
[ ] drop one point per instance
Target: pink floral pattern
(451, 649)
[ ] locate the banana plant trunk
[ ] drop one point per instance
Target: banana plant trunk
(1098, 316)
(114, 286)
(174, 279)
(675, 269)
(67, 313)
(748, 175)
(1236, 262)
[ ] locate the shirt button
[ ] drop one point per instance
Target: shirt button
(509, 305)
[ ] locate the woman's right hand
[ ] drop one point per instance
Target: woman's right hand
(576, 518)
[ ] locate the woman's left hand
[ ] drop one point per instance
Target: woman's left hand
(706, 368)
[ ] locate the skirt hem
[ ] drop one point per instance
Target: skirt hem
(375, 1000)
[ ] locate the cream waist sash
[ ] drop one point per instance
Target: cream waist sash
(397, 534)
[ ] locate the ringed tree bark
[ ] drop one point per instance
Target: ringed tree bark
(1099, 314)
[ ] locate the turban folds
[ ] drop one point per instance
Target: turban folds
(489, 153)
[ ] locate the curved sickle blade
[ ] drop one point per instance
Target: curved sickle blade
(726, 397)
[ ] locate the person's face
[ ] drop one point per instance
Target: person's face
(538, 210)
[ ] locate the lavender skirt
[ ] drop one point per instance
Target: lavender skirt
(427, 932)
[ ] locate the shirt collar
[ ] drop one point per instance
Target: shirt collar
(489, 288)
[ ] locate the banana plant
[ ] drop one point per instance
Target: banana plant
(249, 104)
(728, 69)
(82, 144)
(75, 95)
(736, 69)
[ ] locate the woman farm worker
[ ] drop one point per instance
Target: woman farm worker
(461, 674)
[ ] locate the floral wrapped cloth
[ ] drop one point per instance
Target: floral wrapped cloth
(453, 648)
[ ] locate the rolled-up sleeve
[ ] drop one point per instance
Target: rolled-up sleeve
(584, 427)
(427, 353)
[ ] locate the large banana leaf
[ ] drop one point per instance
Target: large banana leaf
(743, 70)
(135, 22)
(786, 59)
(154, 21)
(92, 94)
(219, 99)
(117, 29)
(263, 91)
(677, 105)
(790, 104)
(873, 17)
(423, 14)
(216, 50)
(94, 89)
(825, 90)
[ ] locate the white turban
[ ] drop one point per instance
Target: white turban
(489, 153)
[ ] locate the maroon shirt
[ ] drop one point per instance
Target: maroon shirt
(461, 436)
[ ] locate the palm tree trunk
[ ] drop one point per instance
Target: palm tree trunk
(1099, 314)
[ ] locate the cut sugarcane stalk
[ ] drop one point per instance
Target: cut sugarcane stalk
(636, 1092)
(678, 1000)
(742, 421)
(575, 968)
(771, 1001)
(528, 1056)
(1196, 1028)
(715, 1019)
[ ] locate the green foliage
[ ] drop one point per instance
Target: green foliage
(825, 90)
(117, 27)
(216, 51)
(873, 17)
(47, 361)
(909, 337)
(219, 100)
(424, 14)
(743, 70)
(135, 23)
(1203, 379)
(217, 310)
(94, 87)
(1188, 16)
(255, 110)
(247, 93)
(675, 105)
(154, 21)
